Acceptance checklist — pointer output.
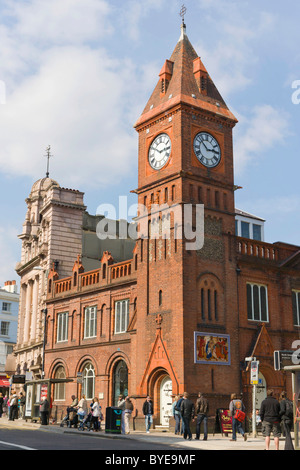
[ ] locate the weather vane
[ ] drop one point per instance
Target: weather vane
(48, 156)
(182, 12)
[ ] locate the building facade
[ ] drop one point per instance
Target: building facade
(9, 309)
(183, 311)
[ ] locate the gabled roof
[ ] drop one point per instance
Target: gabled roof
(182, 85)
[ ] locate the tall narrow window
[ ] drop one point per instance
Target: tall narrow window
(166, 194)
(160, 298)
(296, 307)
(60, 388)
(62, 327)
(257, 302)
(216, 304)
(202, 304)
(208, 304)
(121, 316)
(88, 381)
(120, 381)
(173, 192)
(90, 322)
(245, 229)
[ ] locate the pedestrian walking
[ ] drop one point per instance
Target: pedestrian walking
(148, 413)
(287, 415)
(176, 414)
(121, 406)
(188, 414)
(270, 417)
(82, 407)
(127, 414)
(96, 411)
(202, 408)
(6, 405)
(235, 407)
(22, 401)
(1, 404)
(44, 410)
(13, 406)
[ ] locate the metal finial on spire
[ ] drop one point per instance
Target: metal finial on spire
(48, 156)
(182, 12)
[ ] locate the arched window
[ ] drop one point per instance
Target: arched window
(120, 381)
(160, 298)
(88, 382)
(60, 388)
(210, 299)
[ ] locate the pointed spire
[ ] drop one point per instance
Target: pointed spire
(184, 79)
(183, 32)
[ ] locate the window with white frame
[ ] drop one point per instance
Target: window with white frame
(4, 328)
(62, 327)
(60, 387)
(257, 302)
(88, 383)
(6, 306)
(296, 307)
(90, 322)
(121, 316)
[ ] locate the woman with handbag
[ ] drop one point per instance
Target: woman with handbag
(237, 410)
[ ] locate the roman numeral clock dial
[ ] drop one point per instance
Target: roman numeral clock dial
(159, 151)
(207, 149)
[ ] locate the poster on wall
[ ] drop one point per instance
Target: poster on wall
(28, 405)
(211, 348)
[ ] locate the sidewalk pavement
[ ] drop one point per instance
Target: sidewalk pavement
(214, 442)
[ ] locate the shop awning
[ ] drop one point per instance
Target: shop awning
(4, 382)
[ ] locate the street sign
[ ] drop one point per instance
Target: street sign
(18, 379)
(282, 359)
(254, 373)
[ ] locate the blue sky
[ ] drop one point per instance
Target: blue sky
(78, 73)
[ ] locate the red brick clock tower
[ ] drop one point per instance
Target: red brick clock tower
(187, 338)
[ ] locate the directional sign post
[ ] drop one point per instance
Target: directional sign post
(253, 381)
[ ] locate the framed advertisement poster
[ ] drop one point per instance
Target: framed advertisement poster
(28, 406)
(211, 348)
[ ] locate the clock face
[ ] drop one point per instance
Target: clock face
(207, 149)
(159, 151)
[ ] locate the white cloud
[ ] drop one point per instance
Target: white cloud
(8, 237)
(67, 93)
(76, 103)
(230, 55)
(265, 127)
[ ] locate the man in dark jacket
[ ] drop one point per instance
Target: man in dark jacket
(148, 412)
(270, 417)
(201, 412)
(187, 413)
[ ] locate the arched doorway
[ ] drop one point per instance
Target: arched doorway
(165, 400)
(120, 381)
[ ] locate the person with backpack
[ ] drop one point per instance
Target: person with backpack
(237, 410)
(202, 408)
(286, 414)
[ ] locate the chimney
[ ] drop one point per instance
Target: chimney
(165, 76)
(11, 286)
(201, 75)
